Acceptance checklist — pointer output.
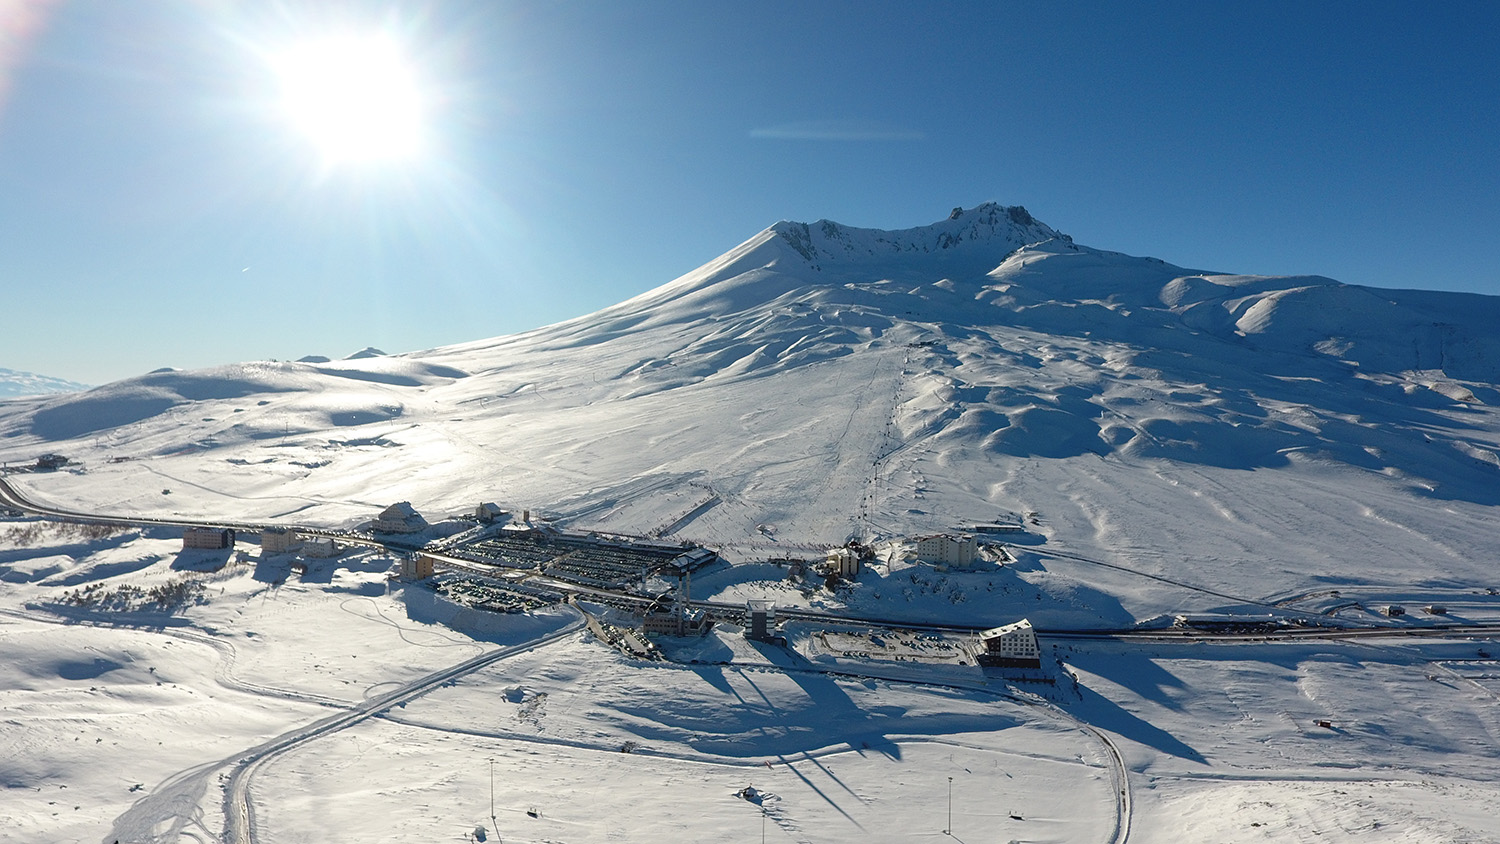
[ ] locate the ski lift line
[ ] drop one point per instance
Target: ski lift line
(1156, 577)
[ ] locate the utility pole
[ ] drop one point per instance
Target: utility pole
(949, 830)
(493, 822)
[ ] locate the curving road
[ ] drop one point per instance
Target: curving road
(172, 811)
(176, 803)
(239, 813)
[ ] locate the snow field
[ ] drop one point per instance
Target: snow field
(847, 759)
(1226, 746)
(96, 718)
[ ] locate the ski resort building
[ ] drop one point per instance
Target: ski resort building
(669, 620)
(488, 513)
(400, 517)
(279, 540)
(996, 527)
(843, 562)
(210, 539)
(1010, 646)
(50, 462)
(694, 559)
(942, 549)
(318, 547)
(416, 567)
(760, 620)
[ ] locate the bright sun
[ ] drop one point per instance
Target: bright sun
(355, 98)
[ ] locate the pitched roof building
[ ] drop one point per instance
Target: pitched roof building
(400, 517)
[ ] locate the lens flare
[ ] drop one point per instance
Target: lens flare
(355, 98)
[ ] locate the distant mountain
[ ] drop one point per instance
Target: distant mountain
(14, 384)
(820, 382)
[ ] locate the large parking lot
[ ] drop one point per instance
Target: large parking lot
(586, 560)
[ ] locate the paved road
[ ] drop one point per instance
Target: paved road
(173, 809)
(9, 496)
(173, 801)
(239, 814)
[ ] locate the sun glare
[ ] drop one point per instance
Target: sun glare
(354, 98)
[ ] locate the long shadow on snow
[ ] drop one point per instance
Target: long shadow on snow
(761, 721)
(1149, 681)
(1105, 714)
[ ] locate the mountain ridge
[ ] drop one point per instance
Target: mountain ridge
(15, 384)
(982, 225)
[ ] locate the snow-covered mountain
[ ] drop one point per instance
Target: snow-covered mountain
(821, 382)
(16, 384)
(1169, 441)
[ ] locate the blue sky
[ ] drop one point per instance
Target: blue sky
(157, 210)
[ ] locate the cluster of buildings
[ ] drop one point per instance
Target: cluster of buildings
(273, 540)
(288, 541)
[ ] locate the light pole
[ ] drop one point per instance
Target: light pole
(493, 822)
(949, 830)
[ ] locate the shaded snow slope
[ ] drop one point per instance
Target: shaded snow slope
(819, 382)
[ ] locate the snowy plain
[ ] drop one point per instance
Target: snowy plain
(1172, 441)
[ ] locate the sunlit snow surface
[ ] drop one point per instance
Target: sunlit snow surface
(1261, 439)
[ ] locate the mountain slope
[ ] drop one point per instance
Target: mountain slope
(16, 384)
(820, 382)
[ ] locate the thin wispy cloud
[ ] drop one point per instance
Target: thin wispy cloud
(837, 130)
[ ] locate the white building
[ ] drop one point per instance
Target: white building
(400, 517)
(942, 549)
(1010, 646)
(843, 562)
